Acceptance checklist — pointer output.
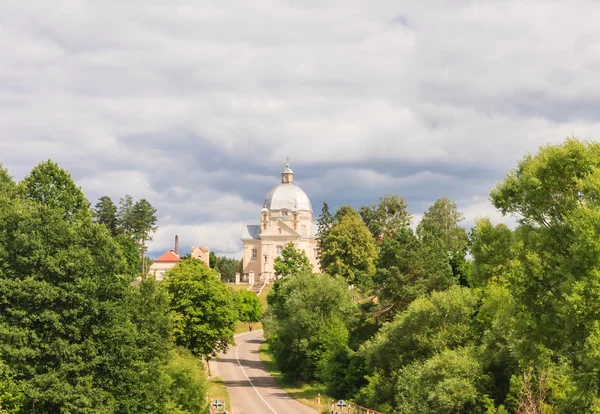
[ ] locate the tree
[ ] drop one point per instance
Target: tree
(410, 267)
(387, 217)
(292, 261)
(324, 223)
(212, 260)
(430, 325)
(144, 224)
(105, 212)
(348, 250)
(66, 328)
(204, 313)
(186, 383)
(307, 322)
(441, 221)
(226, 267)
(125, 218)
(491, 248)
(248, 306)
(11, 391)
(52, 186)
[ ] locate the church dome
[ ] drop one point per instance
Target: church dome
(287, 195)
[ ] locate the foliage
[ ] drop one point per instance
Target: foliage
(105, 212)
(491, 248)
(212, 260)
(204, 313)
(307, 322)
(67, 329)
(125, 217)
(324, 223)
(292, 261)
(348, 250)
(50, 185)
(226, 266)
(409, 267)
(11, 391)
(441, 221)
(186, 383)
(387, 217)
(248, 306)
(428, 326)
(130, 253)
(144, 220)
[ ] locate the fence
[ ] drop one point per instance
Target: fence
(343, 407)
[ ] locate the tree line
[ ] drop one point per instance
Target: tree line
(441, 320)
(78, 334)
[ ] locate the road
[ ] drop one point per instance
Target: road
(251, 388)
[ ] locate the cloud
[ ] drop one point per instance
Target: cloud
(195, 105)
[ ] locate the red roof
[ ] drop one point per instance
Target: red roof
(168, 257)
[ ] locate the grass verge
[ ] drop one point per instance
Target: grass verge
(304, 393)
(218, 391)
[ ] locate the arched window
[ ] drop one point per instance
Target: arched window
(303, 231)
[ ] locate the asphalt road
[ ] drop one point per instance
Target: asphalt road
(251, 388)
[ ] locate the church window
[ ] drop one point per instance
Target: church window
(303, 231)
(284, 212)
(279, 250)
(279, 230)
(254, 254)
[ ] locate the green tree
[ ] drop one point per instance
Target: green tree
(349, 250)
(227, 267)
(553, 275)
(52, 186)
(291, 261)
(248, 306)
(324, 223)
(429, 325)
(386, 217)
(204, 313)
(307, 322)
(491, 247)
(66, 329)
(105, 212)
(409, 267)
(186, 383)
(144, 222)
(212, 260)
(11, 391)
(441, 221)
(125, 217)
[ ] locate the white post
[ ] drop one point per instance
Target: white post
(237, 278)
(251, 278)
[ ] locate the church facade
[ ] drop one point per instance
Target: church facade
(287, 216)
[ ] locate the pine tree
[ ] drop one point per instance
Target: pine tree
(105, 212)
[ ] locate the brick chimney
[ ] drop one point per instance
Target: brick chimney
(176, 244)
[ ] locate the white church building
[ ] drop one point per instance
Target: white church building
(287, 216)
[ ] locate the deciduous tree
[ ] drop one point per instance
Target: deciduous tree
(292, 261)
(204, 313)
(386, 217)
(348, 250)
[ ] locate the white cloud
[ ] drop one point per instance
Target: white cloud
(426, 99)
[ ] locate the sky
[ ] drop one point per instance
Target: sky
(195, 105)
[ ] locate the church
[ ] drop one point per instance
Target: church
(286, 216)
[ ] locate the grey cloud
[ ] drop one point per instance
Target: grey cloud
(196, 105)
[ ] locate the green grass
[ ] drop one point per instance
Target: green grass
(242, 327)
(304, 393)
(218, 391)
(234, 287)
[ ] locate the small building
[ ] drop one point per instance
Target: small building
(164, 263)
(201, 253)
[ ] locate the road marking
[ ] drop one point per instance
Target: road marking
(249, 380)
